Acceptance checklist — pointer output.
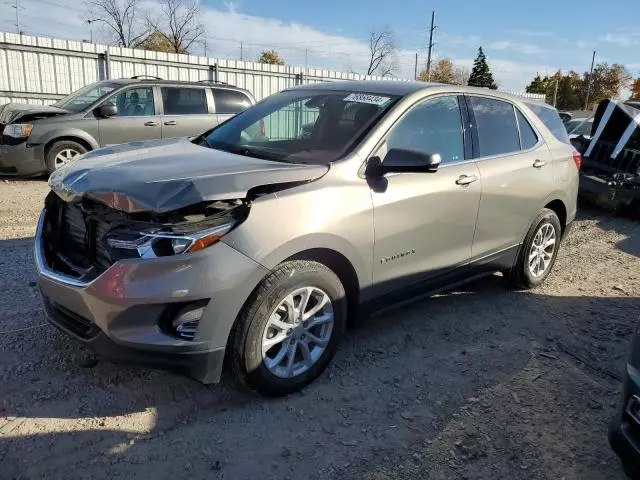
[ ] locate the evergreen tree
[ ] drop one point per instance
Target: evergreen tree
(481, 74)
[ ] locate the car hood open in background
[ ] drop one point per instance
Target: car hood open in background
(21, 112)
(165, 175)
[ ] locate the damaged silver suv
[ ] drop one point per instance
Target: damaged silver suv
(259, 239)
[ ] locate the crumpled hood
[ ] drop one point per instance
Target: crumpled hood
(165, 175)
(12, 112)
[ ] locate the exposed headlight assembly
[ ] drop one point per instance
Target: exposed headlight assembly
(18, 130)
(152, 244)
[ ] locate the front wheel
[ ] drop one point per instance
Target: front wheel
(538, 253)
(289, 329)
(62, 152)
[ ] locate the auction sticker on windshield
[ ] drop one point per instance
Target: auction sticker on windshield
(366, 98)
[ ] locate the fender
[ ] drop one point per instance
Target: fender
(51, 135)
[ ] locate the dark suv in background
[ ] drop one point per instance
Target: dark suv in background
(38, 139)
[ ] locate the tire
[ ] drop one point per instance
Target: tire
(521, 275)
(54, 153)
(253, 326)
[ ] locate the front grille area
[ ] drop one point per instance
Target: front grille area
(74, 237)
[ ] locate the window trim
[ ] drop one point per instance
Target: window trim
(474, 130)
(463, 122)
(535, 132)
(206, 96)
(252, 102)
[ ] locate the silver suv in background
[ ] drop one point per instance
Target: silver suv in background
(259, 239)
(36, 139)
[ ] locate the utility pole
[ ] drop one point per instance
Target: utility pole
(555, 93)
(415, 69)
(586, 100)
(17, 7)
(306, 58)
(433, 27)
(205, 46)
(241, 51)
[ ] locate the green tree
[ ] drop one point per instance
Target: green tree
(271, 57)
(605, 82)
(635, 91)
(481, 75)
(538, 85)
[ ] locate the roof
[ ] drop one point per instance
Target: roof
(160, 81)
(402, 88)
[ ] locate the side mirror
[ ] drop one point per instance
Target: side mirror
(403, 161)
(107, 110)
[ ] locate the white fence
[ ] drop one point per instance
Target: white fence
(41, 70)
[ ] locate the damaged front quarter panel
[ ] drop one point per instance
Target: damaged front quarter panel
(167, 175)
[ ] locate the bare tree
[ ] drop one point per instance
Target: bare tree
(122, 19)
(179, 24)
(461, 75)
(382, 53)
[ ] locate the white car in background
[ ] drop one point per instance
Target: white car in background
(579, 126)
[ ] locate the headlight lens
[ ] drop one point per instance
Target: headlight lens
(18, 130)
(165, 243)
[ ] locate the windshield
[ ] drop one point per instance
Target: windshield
(81, 99)
(300, 126)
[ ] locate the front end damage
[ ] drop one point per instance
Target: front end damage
(610, 174)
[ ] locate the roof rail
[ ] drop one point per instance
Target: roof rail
(137, 77)
(213, 81)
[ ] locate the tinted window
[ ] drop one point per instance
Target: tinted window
(495, 123)
(433, 126)
(551, 119)
(134, 102)
(184, 101)
(528, 137)
(230, 101)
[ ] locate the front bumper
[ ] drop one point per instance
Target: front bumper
(120, 314)
(624, 433)
(22, 159)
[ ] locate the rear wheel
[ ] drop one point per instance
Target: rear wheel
(61, 153)
(538, 253)
(289, 329)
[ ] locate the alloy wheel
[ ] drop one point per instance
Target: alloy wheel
(542, 250)
(298, 332)
(64, 156)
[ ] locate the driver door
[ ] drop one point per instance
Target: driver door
(424, 222)
(136, 118)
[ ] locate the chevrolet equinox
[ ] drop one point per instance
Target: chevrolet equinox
(258, 239)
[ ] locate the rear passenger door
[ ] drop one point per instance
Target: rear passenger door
(186, 111)
(516, 171)
(229, 102)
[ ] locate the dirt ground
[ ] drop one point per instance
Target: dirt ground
(480, 382)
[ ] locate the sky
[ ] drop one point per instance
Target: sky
(520, 39)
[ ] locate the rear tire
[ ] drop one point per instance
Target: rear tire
(534, 263)
(60, 153)
(254, 349)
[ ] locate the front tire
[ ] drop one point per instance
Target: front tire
(538, 252)
(62, 152)
(289, 329)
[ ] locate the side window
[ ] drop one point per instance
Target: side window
(551, 119)
(135, 102)
(495, 123)
(528, 137)
(184, 101)
(230, 101)
(433, 126)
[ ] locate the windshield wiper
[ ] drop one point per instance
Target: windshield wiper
(261, 154)
(202, 139)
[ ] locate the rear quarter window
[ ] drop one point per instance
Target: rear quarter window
(549, 116)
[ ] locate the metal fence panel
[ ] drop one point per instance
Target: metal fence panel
(40, 70)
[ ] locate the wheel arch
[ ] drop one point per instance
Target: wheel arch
(68, 138)
(560, 210)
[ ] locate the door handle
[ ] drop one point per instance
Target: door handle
(170, 122)
(539, 163)
(466, 179)
(151, 124)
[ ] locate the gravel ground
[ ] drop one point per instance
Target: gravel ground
(480, 382)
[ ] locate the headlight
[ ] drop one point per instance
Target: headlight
(152, 244)
(18, 130)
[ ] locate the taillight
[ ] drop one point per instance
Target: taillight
(577, 158)
(262, 129)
